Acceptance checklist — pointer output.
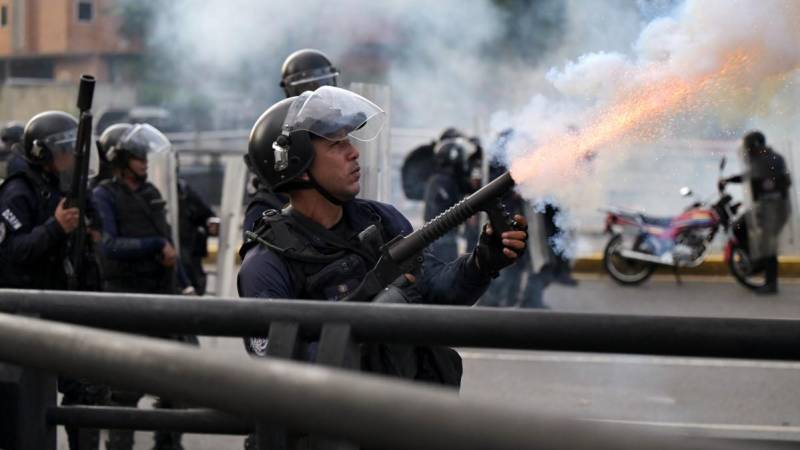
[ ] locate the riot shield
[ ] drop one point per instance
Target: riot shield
(375, 160)
(162, 171)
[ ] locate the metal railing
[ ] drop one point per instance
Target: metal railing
(775, 339)
(273, 396)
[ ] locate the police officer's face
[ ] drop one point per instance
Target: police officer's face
(138, 167)
(336, 168)
(63, 161)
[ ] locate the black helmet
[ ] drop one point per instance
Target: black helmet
(754, 141)
(267, 140)
(451, 133)
(455, 154)
(280, 148)
(47, 133)
(109, 140)
(12, 133)
(123, 141)
(306, 70)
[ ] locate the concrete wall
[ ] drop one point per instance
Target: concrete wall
(21, 102)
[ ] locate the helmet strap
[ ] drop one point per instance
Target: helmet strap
(324, 192)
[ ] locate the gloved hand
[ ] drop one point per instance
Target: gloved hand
(494, 253)
(721, 184)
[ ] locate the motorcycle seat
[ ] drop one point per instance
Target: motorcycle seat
(663, 222)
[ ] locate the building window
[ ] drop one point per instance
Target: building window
(3, 16)
(85, 10)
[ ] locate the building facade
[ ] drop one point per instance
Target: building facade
(58, 40)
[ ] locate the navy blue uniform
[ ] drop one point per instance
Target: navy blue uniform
(32, 252)
(265, 274)
(134, 233)
(31, 240)
(260, 202)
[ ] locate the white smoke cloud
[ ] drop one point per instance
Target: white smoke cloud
(687, 41)
(433, 54)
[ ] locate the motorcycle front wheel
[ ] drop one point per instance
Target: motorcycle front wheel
(748, 273)
(627, 272)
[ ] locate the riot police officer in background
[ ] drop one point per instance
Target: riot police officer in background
(449, 184)
(136, 250)
(11, 159)
(303, 70)
(766, 182)
(35, 225)
(196, 225)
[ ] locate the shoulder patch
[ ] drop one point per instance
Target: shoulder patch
(11, 219)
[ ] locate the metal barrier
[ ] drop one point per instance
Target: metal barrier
(365, 409)
(132, 362)
(774, 339)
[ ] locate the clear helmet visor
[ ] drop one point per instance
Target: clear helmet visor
(335, 114)
(320, 77)
(143, 139)
(63, 142)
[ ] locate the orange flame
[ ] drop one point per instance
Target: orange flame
(558, 157)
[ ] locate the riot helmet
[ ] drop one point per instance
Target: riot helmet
(135, 142)
(107, 142)
(455, 154)
(307, 70)
(280, 147)
(451, 133)
(47, 134)
(12, 133)
(754, 142)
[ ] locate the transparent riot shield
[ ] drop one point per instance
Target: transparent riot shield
(375, 157)
(162, 171)
(231, 216)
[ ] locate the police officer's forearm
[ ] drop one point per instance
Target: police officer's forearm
(132, 248)
(458, 282)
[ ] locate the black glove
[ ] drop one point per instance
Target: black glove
(721, 184)
(489, 252)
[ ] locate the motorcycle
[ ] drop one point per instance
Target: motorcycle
(639, 243)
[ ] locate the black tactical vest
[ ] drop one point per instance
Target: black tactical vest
(138, 214)
(323, 266)
(48, 271)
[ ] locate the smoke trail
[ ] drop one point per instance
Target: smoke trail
(707, 62)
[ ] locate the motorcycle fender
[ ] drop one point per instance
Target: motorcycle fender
(729, 250)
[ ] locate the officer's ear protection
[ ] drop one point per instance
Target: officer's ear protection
(40, 152)
(281, 151)
(299, 142)
(111, 154)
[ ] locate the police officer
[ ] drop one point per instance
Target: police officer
(136, 250)
(11, 161)
(303, 70)
(449, 184)
(196, 224)
(766, 182)
(321, 245)
(34, 227)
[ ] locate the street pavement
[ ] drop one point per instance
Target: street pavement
(736, 398)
